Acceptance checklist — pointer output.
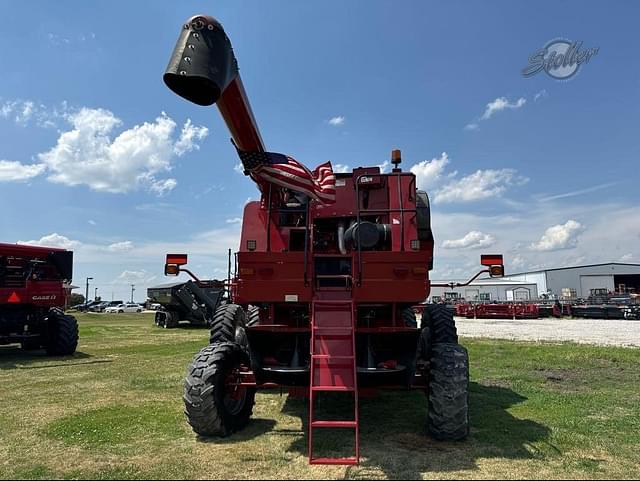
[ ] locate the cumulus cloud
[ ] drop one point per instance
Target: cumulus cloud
(501, 103)
(134, 277)
(482, 184)
(341, 168)
(473, 240)
(124, 246)
(136, 159)
(557, 237)
(11, 171)
(53, 240)
(428, 172)
(336, 121)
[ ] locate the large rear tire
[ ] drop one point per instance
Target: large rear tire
(62, 334)
(253, 316)
(438, 318)
(228, 325)
(448, 416)
(214, 405)
(409, 317)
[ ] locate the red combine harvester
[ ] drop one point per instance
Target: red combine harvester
(321, 300)
(33, 296)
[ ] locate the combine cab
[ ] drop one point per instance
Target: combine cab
(32, 298)
(323, 291)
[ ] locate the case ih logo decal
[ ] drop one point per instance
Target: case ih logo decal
(561, 59)
(43, 298)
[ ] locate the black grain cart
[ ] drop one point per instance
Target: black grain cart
(186, 301)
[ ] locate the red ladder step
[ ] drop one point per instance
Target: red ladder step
(333, 367)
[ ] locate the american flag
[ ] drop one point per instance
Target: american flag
(287, 172)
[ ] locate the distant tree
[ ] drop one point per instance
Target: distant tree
(75, 299)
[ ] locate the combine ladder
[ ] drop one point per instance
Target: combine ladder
(333, 365)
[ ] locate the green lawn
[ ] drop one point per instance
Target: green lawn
(114, 411)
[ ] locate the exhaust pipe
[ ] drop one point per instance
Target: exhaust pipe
(341, 242)
(204, 70)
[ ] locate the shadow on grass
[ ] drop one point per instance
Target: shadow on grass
(14, 357)
(256, 428)
(393, 433)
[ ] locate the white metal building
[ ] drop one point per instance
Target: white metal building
(489, 290)
(580, 280)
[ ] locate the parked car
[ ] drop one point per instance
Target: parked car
(121, 308)
(103, 305)
(86, 306)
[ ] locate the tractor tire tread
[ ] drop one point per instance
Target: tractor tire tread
(448, 416)
(204, 408)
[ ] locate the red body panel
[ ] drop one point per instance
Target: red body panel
(39, 290)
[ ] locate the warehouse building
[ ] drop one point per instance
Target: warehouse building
(487, 290)
(579, 281)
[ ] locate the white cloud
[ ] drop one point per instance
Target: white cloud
(11, 171)
(578, 192)
(336, 121)
(627, 257)
(482, 184)
(92, 222)
(235, 220)
(428, 172)
(385, 167)
(557, 237)
(472, 126)
(134, 277)
(341, 169)
(124, 246)
(473, 240)
(189, 138)
(542, 94)
(239, 168)
(86, 154)
(27, 112)
(53, 240)
(499, 104)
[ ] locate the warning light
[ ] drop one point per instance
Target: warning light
(14, 298)
(496, 271)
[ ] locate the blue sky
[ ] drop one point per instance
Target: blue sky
(97, 155)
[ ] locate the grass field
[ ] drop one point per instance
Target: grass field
(114, 411)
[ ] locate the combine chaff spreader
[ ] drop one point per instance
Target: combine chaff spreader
(329, 269)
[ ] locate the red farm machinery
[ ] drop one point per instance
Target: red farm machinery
(322, 294)
(32, 298)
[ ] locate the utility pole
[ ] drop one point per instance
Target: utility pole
(133, 288)
(86, 292)
(95, 294)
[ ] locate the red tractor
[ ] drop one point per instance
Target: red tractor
(322, 295)
(33, 296)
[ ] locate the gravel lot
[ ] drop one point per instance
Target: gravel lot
(584, 331)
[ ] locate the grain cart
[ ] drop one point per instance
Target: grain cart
(33, 296)
(324, 282)
(192, 301)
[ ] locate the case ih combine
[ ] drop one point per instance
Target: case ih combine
(32, 296)
(321, 300)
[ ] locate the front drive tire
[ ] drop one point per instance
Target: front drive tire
(213, 405)
(62, 334)
(448, 416)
